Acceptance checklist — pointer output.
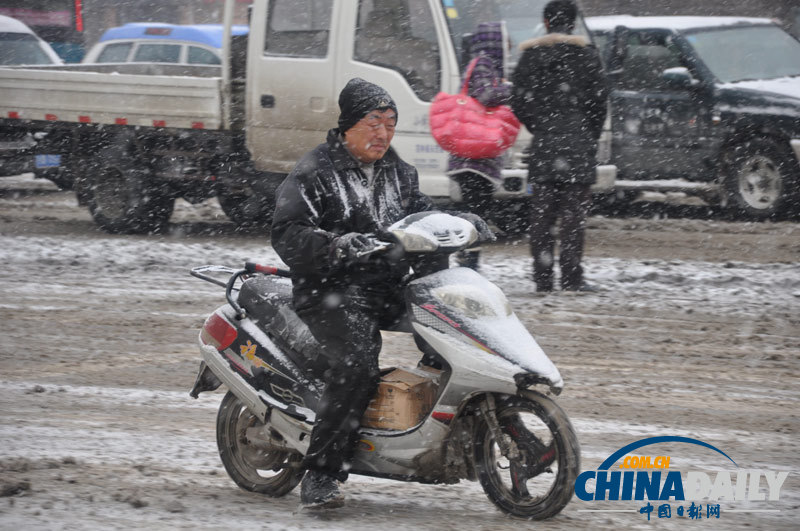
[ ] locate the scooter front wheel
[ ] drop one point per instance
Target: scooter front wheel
(530, 473)
(254, 467)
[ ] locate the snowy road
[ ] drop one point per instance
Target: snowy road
(696, 333)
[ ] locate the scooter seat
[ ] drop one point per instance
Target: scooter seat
(268, 301)
(262, 296)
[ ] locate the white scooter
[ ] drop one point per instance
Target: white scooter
(483, 420)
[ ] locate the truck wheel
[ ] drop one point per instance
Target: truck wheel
(761, 179)
(121, 197)
(249, 201)
(81, 183)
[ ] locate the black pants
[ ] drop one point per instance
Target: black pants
(571, 203)
(347, 325)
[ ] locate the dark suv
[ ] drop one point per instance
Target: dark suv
(705, 105)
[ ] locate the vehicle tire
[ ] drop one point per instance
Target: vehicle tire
(82, 184)
(253, 468)
(762, 179)
(121, 195)
(249, 198)
(540, 481)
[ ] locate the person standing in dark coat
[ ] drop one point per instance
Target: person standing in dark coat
(352, 185)
(560, 94)
(479, 177)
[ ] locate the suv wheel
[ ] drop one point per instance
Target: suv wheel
(761, 178)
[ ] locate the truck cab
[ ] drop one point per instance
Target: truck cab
(302, 52)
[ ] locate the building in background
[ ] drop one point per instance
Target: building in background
(72, 26)
(59, 22)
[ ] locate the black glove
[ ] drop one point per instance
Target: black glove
(346, 248)
(484, 232)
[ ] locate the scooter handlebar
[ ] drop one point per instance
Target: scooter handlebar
(378, 246)
(252, 267)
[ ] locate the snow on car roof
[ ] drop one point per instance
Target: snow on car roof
(677, 23)
(208, 34)
(12, 25)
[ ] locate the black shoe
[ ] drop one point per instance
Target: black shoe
(583, 286)
(543, 286)
(543, 281)
(320, 491)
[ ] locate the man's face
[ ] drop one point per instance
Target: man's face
(369, 139)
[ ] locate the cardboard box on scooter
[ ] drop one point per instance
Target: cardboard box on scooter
(402, 400)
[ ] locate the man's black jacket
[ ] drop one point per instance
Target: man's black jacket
(560, 94)
(327, 195)
(560, 87)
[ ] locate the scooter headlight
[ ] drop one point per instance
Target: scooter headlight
(473, 303)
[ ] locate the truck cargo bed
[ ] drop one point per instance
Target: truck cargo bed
(187, 102)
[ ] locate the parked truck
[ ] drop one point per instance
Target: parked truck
(134, 142)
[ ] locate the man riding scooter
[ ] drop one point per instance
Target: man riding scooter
(352, 185)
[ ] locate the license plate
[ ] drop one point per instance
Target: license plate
(48, 161)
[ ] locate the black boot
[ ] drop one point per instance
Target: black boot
(581, 286)
(320, 491)
(543, 277)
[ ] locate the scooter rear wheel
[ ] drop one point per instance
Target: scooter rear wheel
(254, 467)
(538, 480)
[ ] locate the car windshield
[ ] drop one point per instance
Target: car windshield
(747, 53)
(523, 20)
(21, 49)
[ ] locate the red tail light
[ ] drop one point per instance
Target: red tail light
(218, 331)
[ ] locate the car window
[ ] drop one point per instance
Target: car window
(647, 56)
(157, 53)
(762, 52)
(602, 40)
(201, 56)
(115, 53)
(388, 36)
(21, 49)
(298, 28)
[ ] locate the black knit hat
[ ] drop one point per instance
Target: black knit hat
(561, 14)
(359, 97)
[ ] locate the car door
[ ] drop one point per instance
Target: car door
(291, 99)
(656, 125)
(401, 46)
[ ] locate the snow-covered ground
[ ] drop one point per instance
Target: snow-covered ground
(695, 332)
